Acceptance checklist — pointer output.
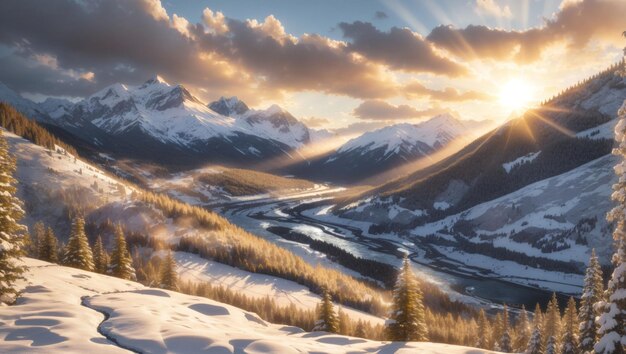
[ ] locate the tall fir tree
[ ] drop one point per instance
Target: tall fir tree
(408, 319)
(327, 320)
(552, 324)
(535, 344)
(505, 342)
(552, 346)
(484, 332)
(11, 231)
(38, 235)
(121, 264)
(522, 331)
(593, 292)
(570, 329)
(359, 331)
(497, 330)
(344, 322)
(77, 251)
(168, 278)
(48, 247)
(612, 321)
(100, 257)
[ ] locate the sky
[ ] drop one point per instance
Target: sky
(350, 65)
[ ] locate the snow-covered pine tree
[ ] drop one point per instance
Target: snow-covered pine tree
(327, 318)
(483, 331)
(535, 344)
(48, 247)
(100, 257)
(121, 264)
(612, 321)
(552, 323)
(38, 234)
(11, 231)
(552, 346)
(593, 292)
(504, 342)
(570, 329)
(522, 331)
(407, 320)
(77, 251)
(168, 278)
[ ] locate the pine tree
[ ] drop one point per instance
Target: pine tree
(407, 322)
(38, 235)
(121, 265)
(344, 322)
(612, 321)
(505, 338)
(100, 257)
(497, 332)
(11, 232)
(570, 329)
(327, 318)
(483, 332)
(360, 329)
(551, 346)
(535, 345)
(552, 323)
(77, 252)
(168, 278)
(48, 247)
(593, 292)
(523, 331)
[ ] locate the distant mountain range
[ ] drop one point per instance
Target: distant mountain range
(166, 124)
(387, 148)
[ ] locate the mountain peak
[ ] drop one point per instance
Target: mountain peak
(229, 106)
(156, 79)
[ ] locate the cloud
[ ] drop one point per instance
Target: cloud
(129, 41)
(399, 48)
(490, 8)
(359, 128)
(314, 122)
(381, 110)
(415, 89)
(380, 15)
(576, 23)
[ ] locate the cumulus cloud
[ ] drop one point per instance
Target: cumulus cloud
(381, 110)
(490, 8)
(399, 48)
(416, 89)
(577, 23)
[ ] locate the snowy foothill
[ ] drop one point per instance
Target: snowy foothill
(66, 310)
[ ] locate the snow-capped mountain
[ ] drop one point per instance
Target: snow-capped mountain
(537, 188)
(167, 123)
(384, 149)
(406, 140)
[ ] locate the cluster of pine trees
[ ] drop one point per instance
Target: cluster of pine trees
(78, 253)
(15, 122)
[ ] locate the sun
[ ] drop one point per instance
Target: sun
(516, 95)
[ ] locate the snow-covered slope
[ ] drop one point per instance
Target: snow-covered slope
(65, 310)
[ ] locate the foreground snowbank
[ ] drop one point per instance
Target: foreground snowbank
(64, 310)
